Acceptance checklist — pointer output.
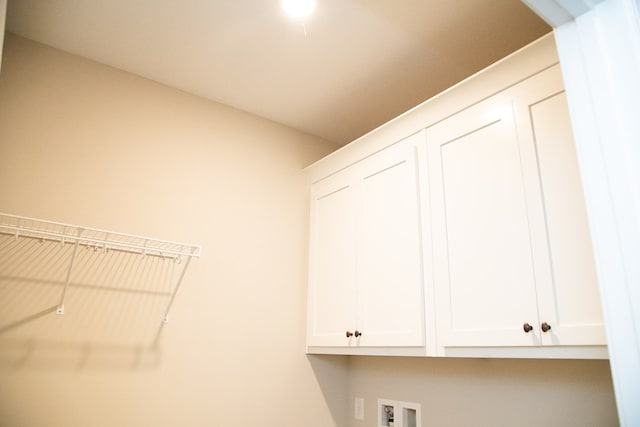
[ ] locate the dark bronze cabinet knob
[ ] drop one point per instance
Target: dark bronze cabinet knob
(349, 334)
(527, 327)
(545, 327)
(357, 334)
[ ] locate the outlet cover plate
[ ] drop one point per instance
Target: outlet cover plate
(359, 409)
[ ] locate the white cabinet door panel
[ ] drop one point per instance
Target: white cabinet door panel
(332, 274)
(485, 273)
(390, 299)
(571, 305)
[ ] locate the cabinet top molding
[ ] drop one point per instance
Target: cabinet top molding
(518, 66)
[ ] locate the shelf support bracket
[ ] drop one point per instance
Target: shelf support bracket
(165, 319)
(60, 309)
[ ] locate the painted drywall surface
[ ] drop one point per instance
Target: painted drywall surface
(85, 144)
(488, 392)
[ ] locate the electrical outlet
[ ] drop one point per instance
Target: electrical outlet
(359, 409)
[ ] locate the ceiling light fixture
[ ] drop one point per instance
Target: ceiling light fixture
(298, 8)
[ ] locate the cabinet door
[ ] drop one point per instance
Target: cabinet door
(568, 294)
(510, 225)
(483, 265)
(389, 260)
(332, 275)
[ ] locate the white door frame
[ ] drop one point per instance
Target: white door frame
(3, 13)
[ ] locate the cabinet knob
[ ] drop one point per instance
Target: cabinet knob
(545, 327)
(349, 334)
(527, 327)
(357, 334)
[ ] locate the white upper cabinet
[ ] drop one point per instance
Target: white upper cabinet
(513, 260)
(366, 278)
(467, 238)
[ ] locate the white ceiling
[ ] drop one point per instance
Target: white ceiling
(352, 66)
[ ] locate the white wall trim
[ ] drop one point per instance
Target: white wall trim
(3, 18)
(558, 12)
(599, 54)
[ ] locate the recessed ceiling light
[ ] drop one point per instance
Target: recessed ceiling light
(298, 8)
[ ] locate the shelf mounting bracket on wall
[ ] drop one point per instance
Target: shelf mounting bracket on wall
(165, 319)
(60, 309)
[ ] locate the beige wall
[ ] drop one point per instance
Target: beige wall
(488, 392)
(85, 144)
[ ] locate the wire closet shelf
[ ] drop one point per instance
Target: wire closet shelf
(20, 226)
(98, 240)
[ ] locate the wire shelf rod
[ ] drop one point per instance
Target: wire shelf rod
(101, 244)
(66, 233)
